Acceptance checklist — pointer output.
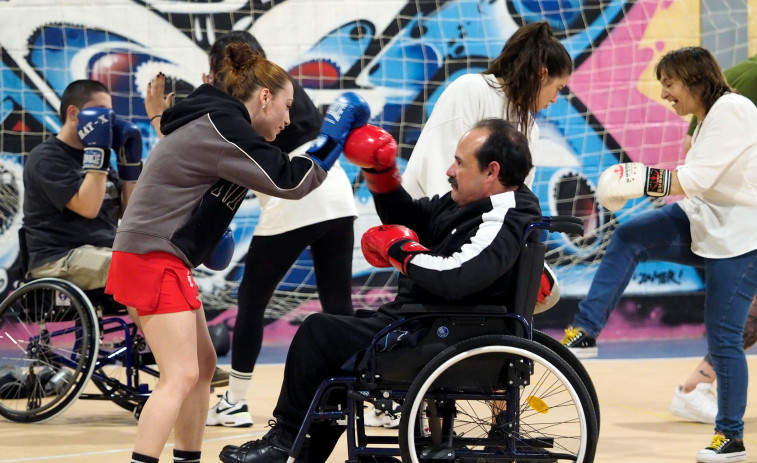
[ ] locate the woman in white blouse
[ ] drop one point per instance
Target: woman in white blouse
(712, 227)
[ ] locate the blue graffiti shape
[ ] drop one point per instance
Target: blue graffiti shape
(109, 58)
(463, 29)
(23, 110)
(325, 63)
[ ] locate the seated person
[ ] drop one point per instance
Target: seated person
(73, 198)
(457, 248)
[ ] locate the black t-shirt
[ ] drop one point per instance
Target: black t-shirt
(52, 176)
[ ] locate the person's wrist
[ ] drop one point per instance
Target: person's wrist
(155, 117)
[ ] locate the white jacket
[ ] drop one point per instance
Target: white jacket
(467, 100)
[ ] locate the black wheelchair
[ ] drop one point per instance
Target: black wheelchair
(476, 383)
(56, 338)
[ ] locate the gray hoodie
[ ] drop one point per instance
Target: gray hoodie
(196, 177)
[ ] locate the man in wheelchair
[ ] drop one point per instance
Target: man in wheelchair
(73, 198)
(459, 248)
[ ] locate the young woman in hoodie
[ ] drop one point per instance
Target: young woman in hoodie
(215, 147)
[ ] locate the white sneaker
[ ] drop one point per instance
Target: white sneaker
(391, 419)
(227, 414)
(698, 405)
(375, 418)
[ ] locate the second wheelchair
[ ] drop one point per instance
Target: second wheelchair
(55, 338)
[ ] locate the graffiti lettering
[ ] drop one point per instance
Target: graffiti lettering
(659, 278)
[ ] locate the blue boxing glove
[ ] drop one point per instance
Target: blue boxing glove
(95, 131)
(349, 111)
(221, 256)
(127, 143)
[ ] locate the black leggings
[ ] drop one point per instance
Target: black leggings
(269, 258)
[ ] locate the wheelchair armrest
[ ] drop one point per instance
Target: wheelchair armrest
(530, 268)
(566, 224)
(23, 253)
(557, 223)
(451, 309)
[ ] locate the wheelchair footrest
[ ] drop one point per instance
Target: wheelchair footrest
(147, 358)
(437, 454)
(329, 412)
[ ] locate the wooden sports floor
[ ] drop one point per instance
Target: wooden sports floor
(634, 398)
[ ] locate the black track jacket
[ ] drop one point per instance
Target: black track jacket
(472, 248)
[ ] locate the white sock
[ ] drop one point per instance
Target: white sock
(239, 385)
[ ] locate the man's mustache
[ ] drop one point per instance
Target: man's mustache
(452, 181)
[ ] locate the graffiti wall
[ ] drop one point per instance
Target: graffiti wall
(399, 55)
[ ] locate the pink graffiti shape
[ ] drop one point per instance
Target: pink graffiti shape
(607, 83)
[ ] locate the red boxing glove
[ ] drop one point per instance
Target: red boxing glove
(375, 151)
(549, 291)
(391, 245)
(545, 288)
(371, 147)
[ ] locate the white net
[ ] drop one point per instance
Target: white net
(399, 55)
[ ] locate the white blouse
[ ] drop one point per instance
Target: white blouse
(719, 179)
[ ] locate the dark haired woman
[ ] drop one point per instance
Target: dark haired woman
(525, 78)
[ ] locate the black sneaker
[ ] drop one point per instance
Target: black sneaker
(580, 343)
(272, 448)
(722, 449)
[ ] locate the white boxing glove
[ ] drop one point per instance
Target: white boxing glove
(631, 180)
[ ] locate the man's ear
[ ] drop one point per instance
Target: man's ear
(493, 170)
(72, 114)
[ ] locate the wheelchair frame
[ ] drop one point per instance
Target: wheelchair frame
(430, 400)
(51, 346)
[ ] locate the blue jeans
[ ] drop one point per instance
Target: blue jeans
(664, 235)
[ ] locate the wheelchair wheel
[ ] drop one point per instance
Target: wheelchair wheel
(48, 348)
(498, 398)
(565, 353)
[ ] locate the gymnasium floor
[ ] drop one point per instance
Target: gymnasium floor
(634, 382)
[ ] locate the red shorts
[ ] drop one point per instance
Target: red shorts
(152, 283)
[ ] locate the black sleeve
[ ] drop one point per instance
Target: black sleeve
(251, 161)
(398, 207)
